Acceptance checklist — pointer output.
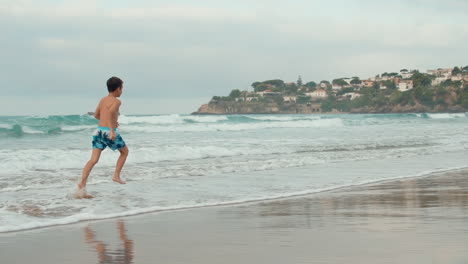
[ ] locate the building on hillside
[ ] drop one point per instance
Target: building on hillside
(263, 92)
(457, 77)
(268, 92)
(318, 94)
(406, 75)
(289, 99)
(368, 83)
(441, 72)
(352, 96)
(251, 99)
(405, 85)
(337, 87)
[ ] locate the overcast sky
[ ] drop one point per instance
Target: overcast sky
(56, 56)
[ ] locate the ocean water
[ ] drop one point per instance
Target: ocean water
(183, 161)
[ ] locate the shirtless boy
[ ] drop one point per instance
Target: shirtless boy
(106, 135)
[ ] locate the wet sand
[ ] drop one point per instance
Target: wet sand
(420, 220)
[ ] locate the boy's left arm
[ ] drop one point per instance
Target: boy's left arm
(97, 112)
(114, 110)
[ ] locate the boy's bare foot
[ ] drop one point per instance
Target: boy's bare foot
(82, 194)
(117, 179)
(81, 186)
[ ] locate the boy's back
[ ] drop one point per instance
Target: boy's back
(107, 111)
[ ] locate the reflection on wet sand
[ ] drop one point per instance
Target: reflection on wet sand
(123, 255)
(411, 201)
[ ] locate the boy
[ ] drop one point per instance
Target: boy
(106, 134)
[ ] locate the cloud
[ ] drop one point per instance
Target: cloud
(201, 49)
(73, 10)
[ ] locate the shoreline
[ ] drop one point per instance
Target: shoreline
(305, 194)
(330, 113)
(419, 220)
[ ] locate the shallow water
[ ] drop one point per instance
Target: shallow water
(183, 161)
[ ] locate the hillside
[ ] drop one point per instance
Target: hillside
(441, 90)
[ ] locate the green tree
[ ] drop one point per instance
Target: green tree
(420, 79)
(278, 99)
(255, 84)
(389, 84)
(447, 83)
(355, 81)
(424, 95)
(327, 105)
(343, 106)
(261, 87)
(345, 90)
(311, 84)
(275, 82)
(441, 91)
(339, 82)
(291, 88)
(235, 93)
(456, 71)
(299, 81)
(464, 99)
(389, 74)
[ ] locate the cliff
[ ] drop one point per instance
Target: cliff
(229, 107)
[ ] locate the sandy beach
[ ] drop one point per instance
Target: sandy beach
(418, 220)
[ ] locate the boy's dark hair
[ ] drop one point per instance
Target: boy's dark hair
(113, 83)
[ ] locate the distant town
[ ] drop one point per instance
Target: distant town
(439, 90)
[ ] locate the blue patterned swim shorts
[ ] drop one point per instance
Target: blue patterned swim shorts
(101, 139)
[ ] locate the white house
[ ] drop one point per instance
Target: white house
(290, 99)
(368, 83)
(352, 96)
(250, 99)
(441, 72)
(320, 93)
(266, 92)
(405, 85)
(336, 87)
(406, 75)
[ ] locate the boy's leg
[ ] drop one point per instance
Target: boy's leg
(89, 166)
(120, 164)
